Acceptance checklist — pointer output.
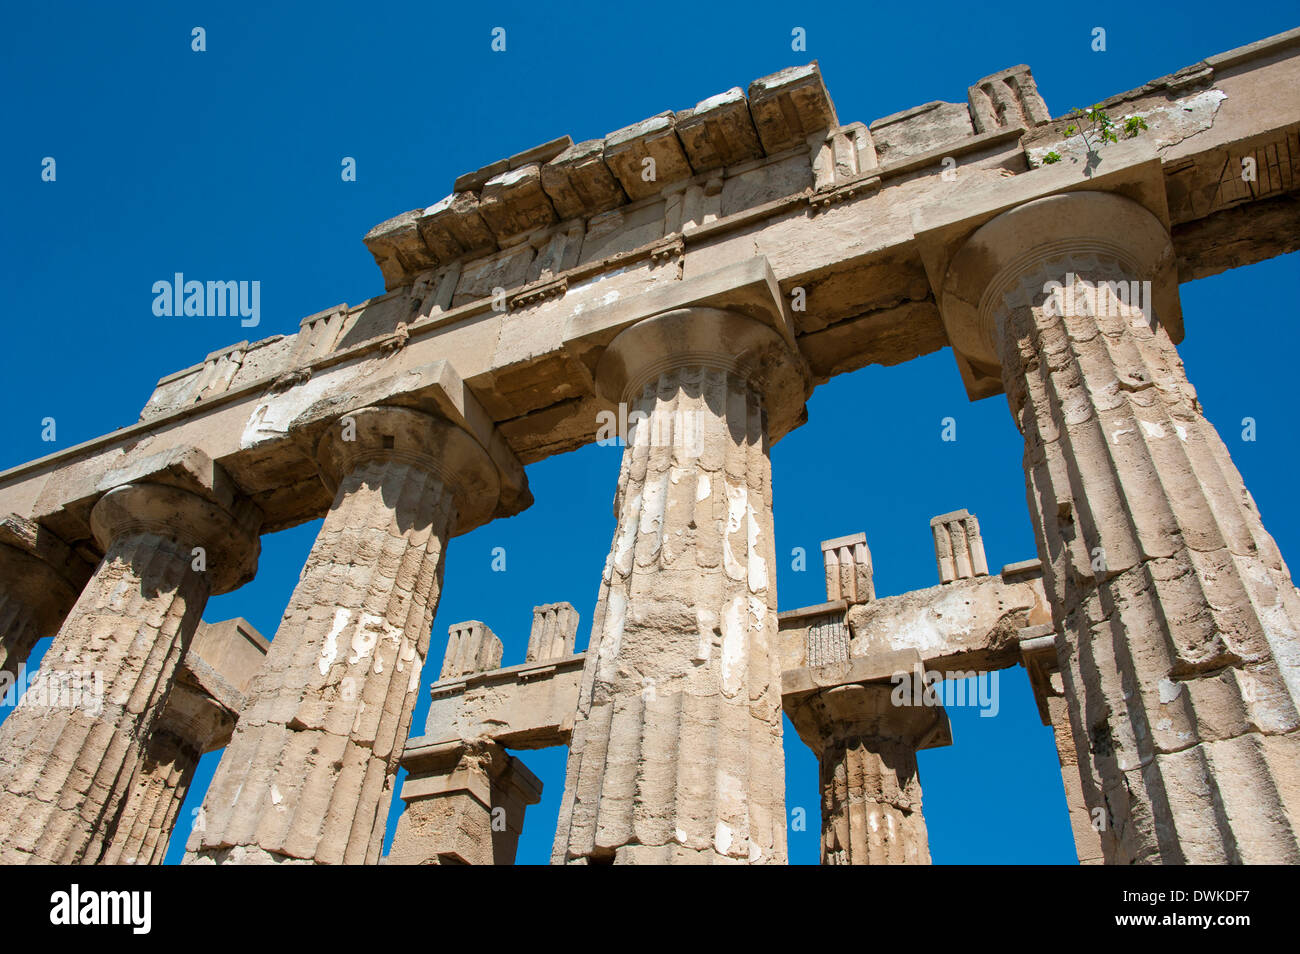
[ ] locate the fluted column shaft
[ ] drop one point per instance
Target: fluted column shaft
(871, 804)
(67, 759)
(676, 753)
(158, 790)
(866, 738)
(1181, 625)
(309, 773)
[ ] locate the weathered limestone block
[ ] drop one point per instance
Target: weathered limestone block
(842, 155)
(676, 754)
(1082, 797)
(475, 181)
(399, 249)
(554, 632)
(848, 569)
(866, 737)
(309, 773)
(1007, 98)
(920, 130)
(453, 227)
(579, 183)
(958, 546)
(471, 647)
(646, 156)
(465, 805)
(69, 751)
(513, 203)
(529, 706)
(1179, 622)
(199, 716)
(789, 105)
(719, 132)
(40, 579)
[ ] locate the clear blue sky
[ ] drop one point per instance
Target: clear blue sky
(225, 164)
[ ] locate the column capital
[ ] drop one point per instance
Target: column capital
(868, 710)
(431, 443)
(711, 338)
(42, 571)
(1054, 235)
(228, 531)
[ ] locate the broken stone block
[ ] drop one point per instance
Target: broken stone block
(848, 569)
(958, 547)
(647, 156)
(454, 227)
(554, 632)
(719, 132)
(579, 183)
(537, 155)
(921, 129)
(399, 249)
(513, 203)
(1007, 98)
(471, 647)
(789, 105)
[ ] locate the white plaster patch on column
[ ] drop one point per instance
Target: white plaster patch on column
(276, 797)
(611, 640)
(1152, 428)
(733, 646)
(1181, 432)
(365, 638)
(1120, 433)
(705, 620)
(622, 554)
(652, 514)
(702, 487)
(330, 649)
(757, 564)
(722, 837)
(737, 501)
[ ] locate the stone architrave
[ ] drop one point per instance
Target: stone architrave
(70, 750)
(1179, 621)
(676, 754)
(309, 774)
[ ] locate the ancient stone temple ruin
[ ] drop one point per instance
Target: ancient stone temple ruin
(697, 273)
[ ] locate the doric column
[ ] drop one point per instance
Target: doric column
(1082, 799)
(676, 753)
(465, 804)
(309, 773)
(1180, 625)
(149, 812)
(40, 579)
(865, 731)
(199, 717)
(69, 751)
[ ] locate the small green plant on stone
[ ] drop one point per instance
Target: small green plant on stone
(1051, 157)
